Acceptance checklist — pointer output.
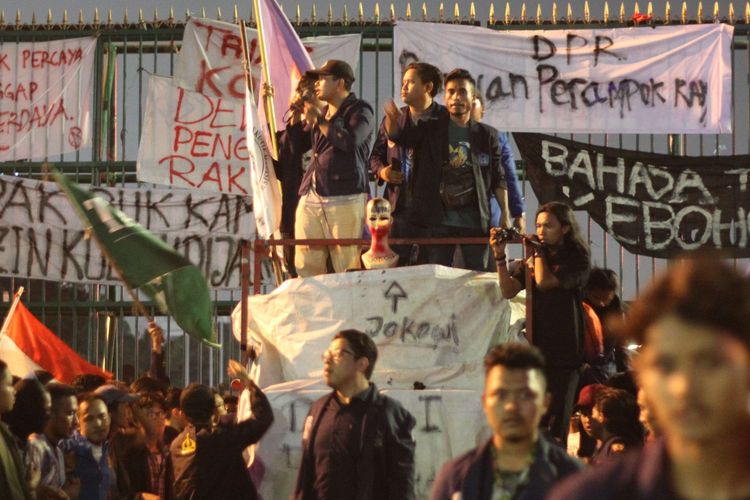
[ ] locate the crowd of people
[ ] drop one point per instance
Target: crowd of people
(676, 426)
(567, 420)
(445, 173)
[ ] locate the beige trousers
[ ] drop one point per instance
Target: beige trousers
(325, 218)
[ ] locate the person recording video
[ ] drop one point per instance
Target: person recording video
(559, 262)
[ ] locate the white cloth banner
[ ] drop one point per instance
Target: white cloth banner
(194, 141)
(666, 79)
(449, 422)
(42, 237)
(210, 60)
(431, 324)
(45, 97)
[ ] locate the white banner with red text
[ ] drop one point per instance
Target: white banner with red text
(46, 89)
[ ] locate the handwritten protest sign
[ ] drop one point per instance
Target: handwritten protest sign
(652, 204)
(210, 60)
(45, 93)
(430, 323)
(669, 79)
(193, 140)
(42, 237)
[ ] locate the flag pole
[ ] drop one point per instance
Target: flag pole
(267, 92)
(13, 305)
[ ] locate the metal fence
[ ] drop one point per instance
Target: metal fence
(100, 322)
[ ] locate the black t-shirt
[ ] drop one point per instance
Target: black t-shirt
(557, 314)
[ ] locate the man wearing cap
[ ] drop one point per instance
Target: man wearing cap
(334, 188)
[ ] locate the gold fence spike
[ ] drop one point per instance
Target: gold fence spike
(345, 16)
(81, 21)
(586, 12)
(109, 17)
(297, 15)
(235, 15)
(650, 10)
(393, 13)
(441, 12)
(2, 18)
(218, 13)
(64, 18)
(361, 14)
(314, 15)
(667, 13)
(49, 17)
(408, 11)
(203, 12)
(18, 18)
(716, 12)
(523, 12)
(622, 12)
(506, 16)
(472, 13)
(683, 13)
(424, 11)
(747, 12)
(96, 16)
(141, 21)
(539, 14)
(330, 14)
(170, 19)
(456, 12)
(569, 14)
(606, 12)
(731, 13)
(554, 12)
(636, 10)
(492, 13)
(33, 19)
(699, 15)
(377, 12)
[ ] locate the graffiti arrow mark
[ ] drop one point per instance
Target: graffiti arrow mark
(395, 292)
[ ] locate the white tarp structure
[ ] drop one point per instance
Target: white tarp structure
(665, 79)
(46, 89)
(432, 324)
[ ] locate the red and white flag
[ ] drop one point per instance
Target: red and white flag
(28, 345)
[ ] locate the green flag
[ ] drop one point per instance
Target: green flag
(147, 263)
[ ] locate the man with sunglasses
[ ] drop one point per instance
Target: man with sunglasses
(356, 442)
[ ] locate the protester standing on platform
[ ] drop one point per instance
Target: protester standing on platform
(334, 188)
(693, 325)
(394, 165)
(356, 442)
(517, 462)
(516, 203)
(456, 169)
(560, 264)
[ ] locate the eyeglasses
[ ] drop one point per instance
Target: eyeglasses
(334, 355)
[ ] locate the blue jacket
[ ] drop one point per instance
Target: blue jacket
(515, 194)
(97, 478)
(471, 474)
(339, 158)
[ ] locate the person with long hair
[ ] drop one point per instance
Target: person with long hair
(560, 264)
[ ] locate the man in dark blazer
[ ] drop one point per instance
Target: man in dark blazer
(356, 443)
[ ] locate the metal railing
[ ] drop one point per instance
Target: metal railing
(99, 321)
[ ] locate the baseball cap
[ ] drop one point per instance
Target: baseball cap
(333, 67)
(587, 396)
(113, 394)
